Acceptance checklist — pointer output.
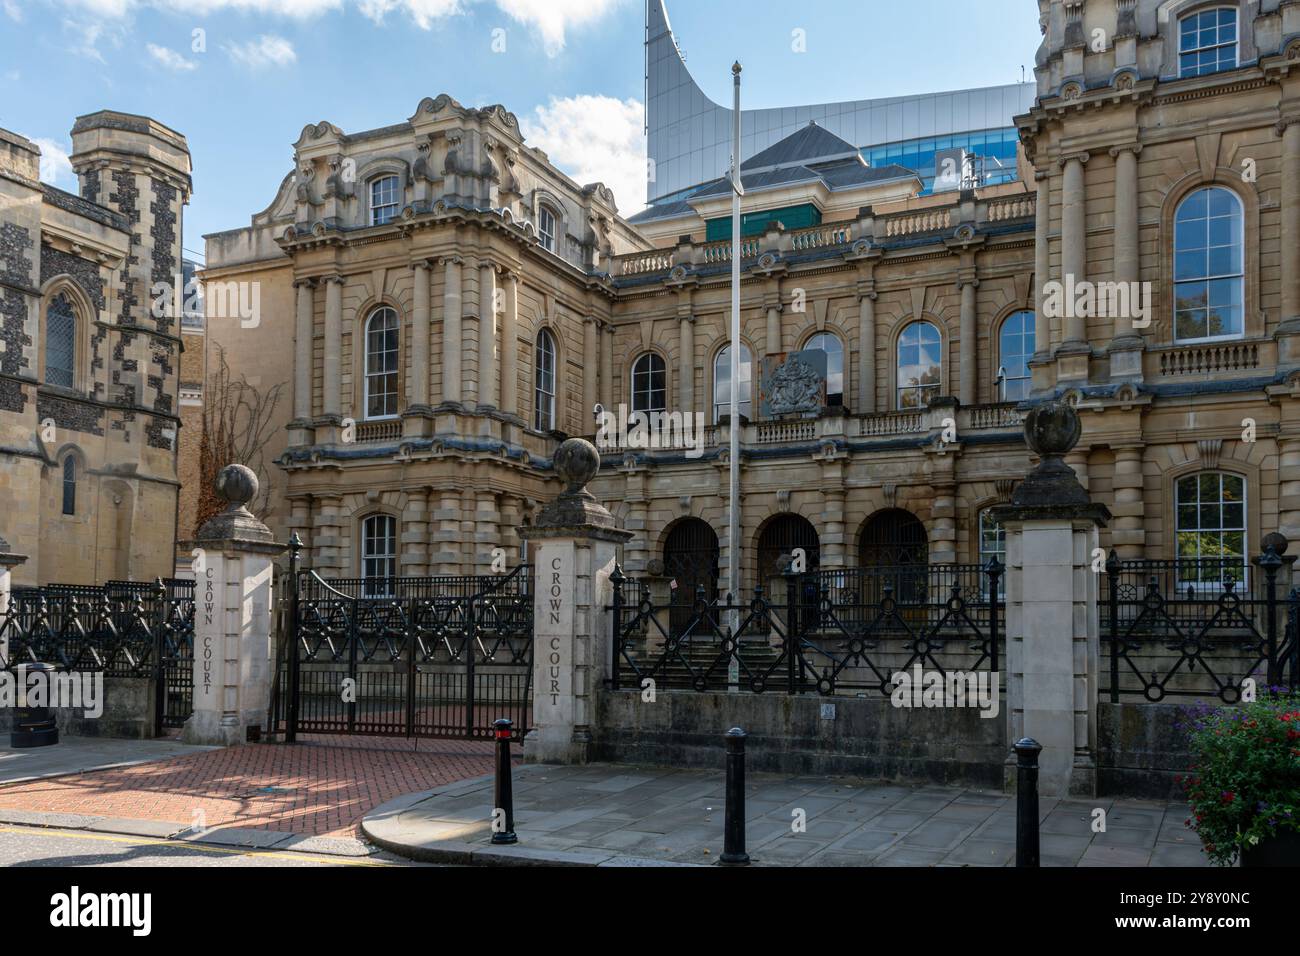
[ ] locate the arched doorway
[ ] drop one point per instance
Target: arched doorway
(690, 562)
(781, 536)
(891, 538)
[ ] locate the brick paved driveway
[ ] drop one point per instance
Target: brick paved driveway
(322, 786)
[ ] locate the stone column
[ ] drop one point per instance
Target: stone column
(1053, 637)
(332, 396)
(1074, 239)
(866, 352)
(328, 538)
(487, 532)
(574, 544)
(1289, 331)
(452, 327)
(773, 328)
(487, 335)
(943, 514)
(420, 338)
(607, 367)
(468, 531)
(1078, 462)
(8, 562)
(299, 523)
(969, 356)
(1042, 267)
(510, 347)
(232, 621)
(415, 533)
(833, 551)
(1289, 489)
(686, 365)
(511, 518)
(303, 361)
(446, 555)
(1125, 350)
(590, 332)
(1128, 536)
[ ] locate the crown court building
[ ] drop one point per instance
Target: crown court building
(445, 316)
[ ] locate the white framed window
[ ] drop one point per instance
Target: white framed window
(649, 384)
(1015, 349)
(920, 365)
(1209, 266)
(722, 383)
(830, 343)
(546, 228)
(544, 383)
(378, 554)
(385, 200)
(1207, 41)
(992, 544)
(60, 342)
(382, 357)
(1211, 528)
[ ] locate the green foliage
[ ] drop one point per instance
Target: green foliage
(1244, 784)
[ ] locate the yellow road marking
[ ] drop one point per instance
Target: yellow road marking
(229, 851)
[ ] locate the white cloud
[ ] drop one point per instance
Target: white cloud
(423, 12)
(595, 139)
(170, 59)
(13, 11)
(86, 38)
(56, 168)
(266, 50)
(552, 18)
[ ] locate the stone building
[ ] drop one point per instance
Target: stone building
(456, 304)
(89, 356)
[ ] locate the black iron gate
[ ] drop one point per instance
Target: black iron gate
(405, 657)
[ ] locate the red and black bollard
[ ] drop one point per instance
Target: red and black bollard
(504, 798)
(733, 833)
(1027, 751)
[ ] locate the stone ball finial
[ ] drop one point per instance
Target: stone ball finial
(1052, 429)
(576, 462)
(236, 484)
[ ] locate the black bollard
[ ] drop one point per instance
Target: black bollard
(33, 726)
(733, 835)
(1027, 751)
(504, 798)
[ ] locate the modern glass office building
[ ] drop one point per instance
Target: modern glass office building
(689, 136)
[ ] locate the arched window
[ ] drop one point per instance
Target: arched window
(722, 382)
(1209, 275)
(649, 384)
(385, 200)
(379, 553)
(1015, 349)
(992, 544)
(60, 342)
(834, 349)
(546, 227)
(69, 485)
(1211, 528)
(920, 365)
(381, 364)
(1207, 41)
(544, 383)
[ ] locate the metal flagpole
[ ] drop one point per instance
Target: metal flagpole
(733, 527)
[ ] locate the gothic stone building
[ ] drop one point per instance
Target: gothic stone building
(455, 306)
(88, 372)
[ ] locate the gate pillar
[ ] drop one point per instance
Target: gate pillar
(1053, 636)
(8, 562)
(232, 617)
(575, 542)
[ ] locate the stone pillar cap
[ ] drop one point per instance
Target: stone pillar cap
(237, 485)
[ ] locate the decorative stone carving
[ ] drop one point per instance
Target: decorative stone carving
(576, 462)
(237, 485)
(796, 387)
(1210, 449)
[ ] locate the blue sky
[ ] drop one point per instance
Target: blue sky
(242, 90)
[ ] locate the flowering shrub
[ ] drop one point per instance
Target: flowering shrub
(1244, 784)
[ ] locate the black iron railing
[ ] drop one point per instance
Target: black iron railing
(1197, 628)
(119, 629)
(826, 632)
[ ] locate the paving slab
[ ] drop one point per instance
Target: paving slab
(74, 755)
(614, 815)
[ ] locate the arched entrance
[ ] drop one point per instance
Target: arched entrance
(891, 538)
(781, 536)
(690, 562)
